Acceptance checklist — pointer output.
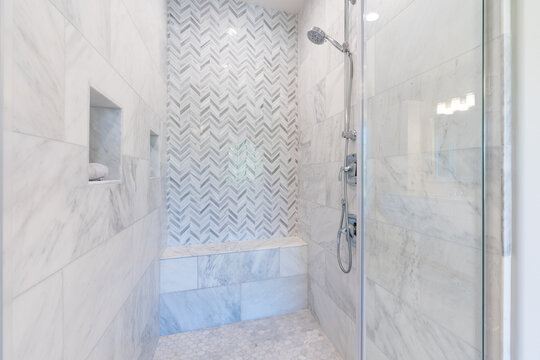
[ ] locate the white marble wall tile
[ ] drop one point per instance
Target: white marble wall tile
(321, 144)
(387, 12)
(198, 309)
(152, 17)
(126, 45)
(373, 352)
(342, 288)
(178, 274)
(133, 193)
(404, 119)
(327, 144)
(37, 325)
(38, 70)
(144, 318)
(40, 236)
(134, 332)
(85, 68)
(437, 278)
(95, 287)
(234, 268)
(335, 93)
(146, 243)
(155, 196)
(65, 217)
(273, 297)
(403, 54)
(317, 264)
(136, 131)
(403, 333)
(293, 261)
(453, 220)
(334, 187)
(312, 183)
(336, 324)
(324, 227)
(91, 18)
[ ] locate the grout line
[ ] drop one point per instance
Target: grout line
(108, 61)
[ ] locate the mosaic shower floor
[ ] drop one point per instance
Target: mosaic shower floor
(291, 336)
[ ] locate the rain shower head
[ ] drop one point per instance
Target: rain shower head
(318, 36)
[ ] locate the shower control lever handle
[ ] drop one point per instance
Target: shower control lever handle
(344, 169)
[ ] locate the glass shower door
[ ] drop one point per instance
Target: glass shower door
(423, 179)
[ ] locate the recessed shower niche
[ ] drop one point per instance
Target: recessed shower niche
(105, 138)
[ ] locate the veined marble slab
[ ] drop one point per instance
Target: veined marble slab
(172, 252)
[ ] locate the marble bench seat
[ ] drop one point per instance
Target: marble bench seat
(208, 285)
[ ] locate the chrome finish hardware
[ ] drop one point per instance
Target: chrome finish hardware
(351, 135)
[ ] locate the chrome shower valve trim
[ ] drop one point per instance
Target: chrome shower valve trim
(351, 135)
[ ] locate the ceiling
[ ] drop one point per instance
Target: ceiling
(291, 6)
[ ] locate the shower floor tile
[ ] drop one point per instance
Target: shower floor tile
(291, 336)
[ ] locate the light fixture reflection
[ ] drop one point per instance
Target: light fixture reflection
(372, 16)
(232, 31)
(457, 104)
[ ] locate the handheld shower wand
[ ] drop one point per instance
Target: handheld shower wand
(318, 37)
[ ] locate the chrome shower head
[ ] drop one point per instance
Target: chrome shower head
(318, 36)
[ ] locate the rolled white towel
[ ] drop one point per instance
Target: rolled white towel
(97, 171)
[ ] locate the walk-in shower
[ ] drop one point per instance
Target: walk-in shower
(347, 173)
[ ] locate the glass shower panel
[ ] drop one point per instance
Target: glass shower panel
(423, 179)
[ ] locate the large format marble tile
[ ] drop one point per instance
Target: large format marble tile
(146, 242)
(293, 261)
(234, 268)
(37, 325)
(91, 18)
(85, 68)
(312, 183)
(36, 98)
(342, 288)
(324, 227)
(404, 119)
(272, 297)
(40, 229)
(336, 324)
(95, 287)
(126, 44)
(455, 220)
(134, 332)
(178, 274)
(435, 277)
(408, 46)
(403, 333)
(373, 352)
(198, 309)
(150, 18)
(452, 174)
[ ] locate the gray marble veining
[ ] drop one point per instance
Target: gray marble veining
(79, 253)
(198, 309)
(234, 268)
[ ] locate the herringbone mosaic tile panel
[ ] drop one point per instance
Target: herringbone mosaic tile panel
(232, 136)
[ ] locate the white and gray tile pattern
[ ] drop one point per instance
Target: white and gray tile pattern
(232, 122)
(293, 336)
